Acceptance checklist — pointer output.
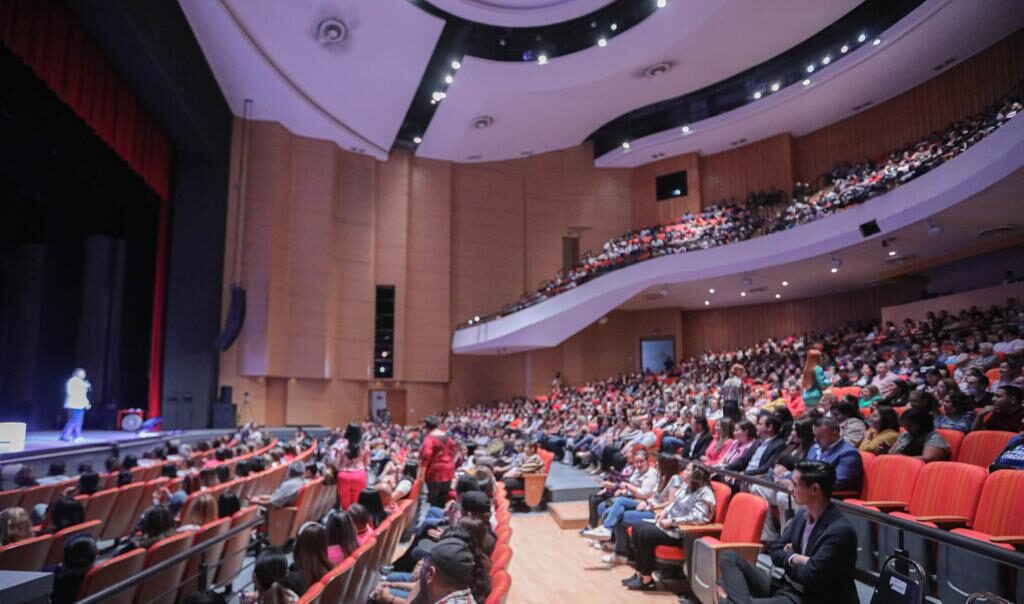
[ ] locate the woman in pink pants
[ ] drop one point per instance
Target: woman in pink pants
(351, 458)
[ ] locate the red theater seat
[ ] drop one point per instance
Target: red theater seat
(27, 554)
(890, 482)
(981, 447)
(111, 572)
(501, 582)
(161, 588)
(741, 534)
(675, 555)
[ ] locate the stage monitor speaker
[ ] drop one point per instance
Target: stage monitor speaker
(235, 320)
(226, 394)
(870, 228)
(223, 415)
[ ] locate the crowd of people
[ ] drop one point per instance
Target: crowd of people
(765, 212)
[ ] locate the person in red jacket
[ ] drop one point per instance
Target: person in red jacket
(437, 460)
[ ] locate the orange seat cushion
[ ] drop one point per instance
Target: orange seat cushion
(669, 552)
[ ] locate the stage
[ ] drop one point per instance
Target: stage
(49, 441)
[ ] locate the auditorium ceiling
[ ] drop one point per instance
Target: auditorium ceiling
(540, 75)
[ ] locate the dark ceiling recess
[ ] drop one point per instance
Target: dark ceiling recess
(859, 27)
(461, 38)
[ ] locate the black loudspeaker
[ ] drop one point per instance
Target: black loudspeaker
(235, 320)
(870, 228)
(226, 394)
(223, 416)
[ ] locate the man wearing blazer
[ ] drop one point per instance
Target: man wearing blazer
(818, 551)
(760, 457)
(699, 439)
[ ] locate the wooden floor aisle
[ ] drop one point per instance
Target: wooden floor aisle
(552, 565)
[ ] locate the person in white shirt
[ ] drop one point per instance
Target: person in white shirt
(76, 402)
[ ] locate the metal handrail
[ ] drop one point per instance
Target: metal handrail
(1011, 558)
(176, 559)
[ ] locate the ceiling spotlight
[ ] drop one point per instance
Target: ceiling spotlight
(934, 230)
(862, 37)
(845, 49)
(381, 370)
(663, 291)
(807, 82)
(892, 252)
(613, 26)
(625, 146)
(456, 65)
(417, 140)
(810, 69)
(757, 95)
(384, 354)
(438, 95)
(876, 42)
(542, 60)
(707, 302)
(834, 264)
(711, 291)
(686, 129)
(775, 87)
(826, 60)
(433, 102)
(785, 284)
(482, 121)
(777, 296)
(331, 31)
(477, 318)
(743, 294)
(602, 42)
(662, 3)
(448, 79)
(834, 269)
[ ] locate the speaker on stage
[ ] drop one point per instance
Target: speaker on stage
(226, 394)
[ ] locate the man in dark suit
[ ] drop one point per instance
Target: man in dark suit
(700, 438)
(760, 457)
(818, 549)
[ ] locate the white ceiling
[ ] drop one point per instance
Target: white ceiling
(906, 56)
(519, 13)
(862, 264)
(355, 93)
(542, 108)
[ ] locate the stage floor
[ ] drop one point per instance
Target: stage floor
(50, 440)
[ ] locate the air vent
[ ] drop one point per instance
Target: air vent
(997, 231)
(757, 290)
(475, 157)
(738, 142)
(898, 260)
(658, 69)
(482, 121)
(944, 64)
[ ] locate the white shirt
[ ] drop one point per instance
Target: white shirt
(77, 393)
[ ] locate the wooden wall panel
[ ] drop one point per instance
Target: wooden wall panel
(428, 303)
(740, 326)
(758, 166)
(960, 91)
(647, 210)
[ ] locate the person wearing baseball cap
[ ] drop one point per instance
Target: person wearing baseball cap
(447, 572)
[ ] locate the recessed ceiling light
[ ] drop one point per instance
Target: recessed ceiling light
(602, 42)
(835, 263)
(785, 284)
(686, 129)
(438, 95)
(757, 95)
(711, 291)
(448, 79)
(331, 31)
(862, 37)
(477, 318)
(743, 294)
(707, 302)
(662, 3)
(625, 145)
(433, 102)
(807, 82)
(542, 60)
(892, 252)
(845, 49)
(826, 60)
(613, 26)
(876, 42)
(810, 69)
(456, 65)
(417, 140)
(775, 87)
(777, 296)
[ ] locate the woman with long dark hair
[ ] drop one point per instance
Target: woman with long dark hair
(79, 556)
(270, 575)
(370, 499)
(920, 438)
(341, 537)
(311, 561)
(351, 457)
(883, 430)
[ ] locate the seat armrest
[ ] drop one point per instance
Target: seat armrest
(947, 521)
(533, 488)
(279, 524)
(1009, 539)
(888, 506)
(700, 530)
(846, 494)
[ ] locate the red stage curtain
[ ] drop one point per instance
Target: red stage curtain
(50, 40)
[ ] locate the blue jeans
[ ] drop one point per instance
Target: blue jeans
(615, 512)
(671, 444)
(73, 429)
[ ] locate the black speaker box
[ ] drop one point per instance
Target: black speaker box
(226, 394)
(223, 415)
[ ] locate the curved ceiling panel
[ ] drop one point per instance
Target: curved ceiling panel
(519, 13)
